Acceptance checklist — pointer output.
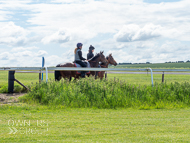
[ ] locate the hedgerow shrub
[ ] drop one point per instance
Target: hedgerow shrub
(89, 92)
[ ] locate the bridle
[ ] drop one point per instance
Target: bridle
(101, 65)
(112, 60)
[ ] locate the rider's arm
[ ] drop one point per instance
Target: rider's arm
(90, 55)
(80, 55)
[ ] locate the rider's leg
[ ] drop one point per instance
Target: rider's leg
(97, 72)
(82, 65)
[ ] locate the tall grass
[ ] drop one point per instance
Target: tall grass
(109, 94)
(17, 89)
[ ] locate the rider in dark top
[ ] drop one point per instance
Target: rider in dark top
(90, 54)
(79, 58)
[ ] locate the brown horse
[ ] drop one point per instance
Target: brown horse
(111, 61)
(68, 74)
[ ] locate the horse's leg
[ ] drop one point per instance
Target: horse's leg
(77, 76)
(73, 74)
(57, 75)
(66, 75)
(67, 78)
(101, 75)
(92, 73)
(62, 74)
(96, 76)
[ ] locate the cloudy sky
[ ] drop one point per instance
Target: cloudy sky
(132, 30)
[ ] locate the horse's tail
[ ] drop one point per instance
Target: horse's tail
(57, 74)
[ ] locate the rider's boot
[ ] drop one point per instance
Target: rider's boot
(83, 74)
(96, 75)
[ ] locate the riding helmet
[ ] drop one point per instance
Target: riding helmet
(91, 48)
(79, 45)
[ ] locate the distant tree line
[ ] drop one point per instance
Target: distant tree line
(133, 63)
(178, 62)
(151, 63)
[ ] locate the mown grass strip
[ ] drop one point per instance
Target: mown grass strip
(93, 125)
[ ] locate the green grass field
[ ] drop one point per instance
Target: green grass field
(49, 124)
(57, 123)
(155, 65)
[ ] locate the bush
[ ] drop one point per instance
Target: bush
(109, 94)
(17, 89)
(4, 89)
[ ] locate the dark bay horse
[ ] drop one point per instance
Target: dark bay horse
(68, 74)
(111, 61)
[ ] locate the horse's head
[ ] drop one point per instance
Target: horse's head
(111, 60)
(102, 58)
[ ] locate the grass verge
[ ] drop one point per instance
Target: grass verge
(88, 92)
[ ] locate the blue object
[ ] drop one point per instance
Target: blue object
(43, 63)
(79, 45)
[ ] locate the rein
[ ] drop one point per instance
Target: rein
(91, 61)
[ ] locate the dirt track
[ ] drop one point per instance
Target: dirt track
(10, 98)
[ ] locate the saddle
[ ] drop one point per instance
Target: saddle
(79, 66)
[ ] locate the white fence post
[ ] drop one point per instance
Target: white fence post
(151, 76)
(46, 74)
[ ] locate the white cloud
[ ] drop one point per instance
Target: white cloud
(23, 54)
(66, 1)
(41, 53)
(53, 60)
(59, 37)
(121, 56)
(136, 31)
(27, 53)
(68, 56)
(22, 58)
(11, 30)
(4, 56)
(11, 35)
(133, 32)
(23, 48)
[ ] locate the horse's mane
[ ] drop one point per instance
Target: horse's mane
(95, 57)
